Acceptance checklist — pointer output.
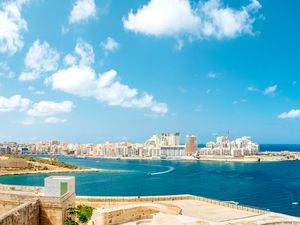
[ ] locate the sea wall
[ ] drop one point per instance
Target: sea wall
(25, 214)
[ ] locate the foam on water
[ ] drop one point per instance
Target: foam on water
(171, 168)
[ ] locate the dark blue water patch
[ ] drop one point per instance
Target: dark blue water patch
(274, 186)
(274, 147)
(280, 147)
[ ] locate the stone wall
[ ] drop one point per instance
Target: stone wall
(120, 216)
(53, 209)
(103, 201)
(19, 188)
(25, 214)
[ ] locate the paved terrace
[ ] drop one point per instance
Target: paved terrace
(180, 209)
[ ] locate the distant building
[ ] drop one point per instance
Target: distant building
(165, 139)
(165, 145)
(224, 147)
(191, 145)
(172, 151)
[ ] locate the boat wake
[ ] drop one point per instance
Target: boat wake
(163, 172)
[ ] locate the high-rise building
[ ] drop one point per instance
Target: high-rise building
(191, 145)
(165, 139)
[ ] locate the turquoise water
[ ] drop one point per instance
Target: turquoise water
(273, 186)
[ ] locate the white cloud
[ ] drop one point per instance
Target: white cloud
(39, 92)
(198, 108)
(5, 71)
(211, 75)
(31, 88)
(64, 30)
(270, 90)
(70, 60)
(82, 80)
(163, 18)
(54, 120)
(182, 89)
(292, 114)
(82, 11)
(239, 101)
(224, 22)
(86, 53)
(267, 91)
(40, 58)
(32, 75)
(110, 45)
(12, 103)
(26, 122)
(4, 66)
(11, 26)
(210, 19)
(179, 44)
(50, 108)
(253, 89)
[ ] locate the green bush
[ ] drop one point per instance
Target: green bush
(82, 214)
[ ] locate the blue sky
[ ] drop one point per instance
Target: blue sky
(91, 71)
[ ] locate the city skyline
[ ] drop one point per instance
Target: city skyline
(92, 71)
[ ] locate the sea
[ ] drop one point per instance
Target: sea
(271, 186)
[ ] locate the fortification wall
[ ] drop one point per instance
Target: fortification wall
(19, 188)
(111, 201)
(119, 216)
(25, 214)
(53, 209)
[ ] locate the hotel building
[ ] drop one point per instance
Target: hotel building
(191, 145)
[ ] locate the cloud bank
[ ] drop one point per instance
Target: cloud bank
(82, 11)
(12, 25)
(81, 79)
(178, 18)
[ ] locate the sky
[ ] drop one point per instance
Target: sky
(91, 71)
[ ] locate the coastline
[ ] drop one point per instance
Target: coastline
(58, 171)
(267, 156)
(21, 165)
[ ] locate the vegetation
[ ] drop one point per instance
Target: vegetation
(79, 215)
(52, 161)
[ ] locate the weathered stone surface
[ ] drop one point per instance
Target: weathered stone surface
(25, 214)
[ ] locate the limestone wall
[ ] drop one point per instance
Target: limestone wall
(119, 216)
(25, 214)
(53, 209)
(19, 188)
(103, 201)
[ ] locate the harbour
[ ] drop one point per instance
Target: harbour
(250, 184)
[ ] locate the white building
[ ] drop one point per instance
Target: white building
(165, 145)
(224, 147)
